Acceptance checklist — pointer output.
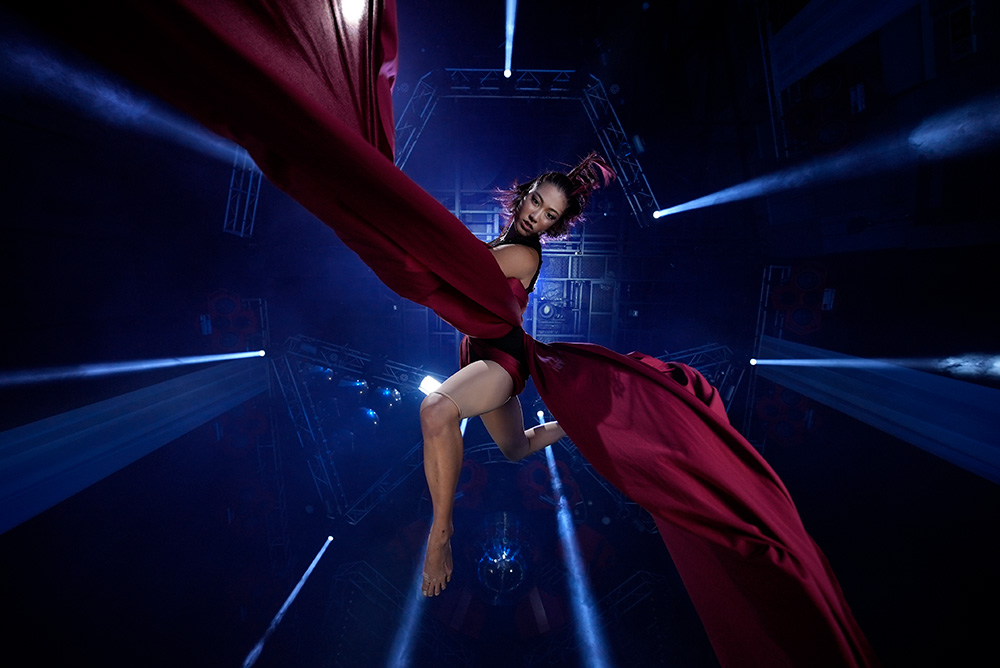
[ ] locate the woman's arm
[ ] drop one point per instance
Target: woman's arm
(517, 261)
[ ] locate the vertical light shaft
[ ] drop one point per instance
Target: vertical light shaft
(595, 654)
(509, 44)
(255, 652)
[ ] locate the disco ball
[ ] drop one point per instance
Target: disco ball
(504, 557)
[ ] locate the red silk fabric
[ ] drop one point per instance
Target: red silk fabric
(306, 90)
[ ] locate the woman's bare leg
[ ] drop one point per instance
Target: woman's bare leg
(506, 427)
(478, 388)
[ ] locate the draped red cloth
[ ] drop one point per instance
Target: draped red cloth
(305, 87)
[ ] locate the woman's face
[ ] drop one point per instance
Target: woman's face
(542, 208)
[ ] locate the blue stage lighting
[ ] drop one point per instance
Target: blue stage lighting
(509, 42)
(588, 629)
(429, 384)
(109, 368)
(402, 644)
(98, 96)
(970, 365)
(971, 128)
(255, 652)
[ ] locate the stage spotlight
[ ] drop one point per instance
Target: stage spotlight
(429, 384)
(99, 96)
(110, 368)
(255, 652)
(385, 398)
(509, 42)
(364, 423)
(972, 128)
(970, 365)
(588, 629)
(402, 645)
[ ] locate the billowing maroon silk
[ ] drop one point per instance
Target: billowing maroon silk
(307, 92)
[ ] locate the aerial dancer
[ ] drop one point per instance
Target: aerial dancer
(494, 370)
(305, 87)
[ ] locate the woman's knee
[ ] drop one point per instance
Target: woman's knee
(438, 411)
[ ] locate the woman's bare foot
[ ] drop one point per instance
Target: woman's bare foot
(437, 563)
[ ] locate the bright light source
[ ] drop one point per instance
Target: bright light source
(972, 128)
(753, 362)
(429, 384)
(255, 652)
(588, 628)
(541, 416)
(110, 368)
(509, 42)
(969, 365)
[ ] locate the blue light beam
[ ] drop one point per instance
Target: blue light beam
(971, 128)
(255, 652)
(110, 368)
(99, 96)
(970, 365)
(509, 42)
(595, 653)
(402, 644)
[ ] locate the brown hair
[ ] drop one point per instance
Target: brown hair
(578, 184)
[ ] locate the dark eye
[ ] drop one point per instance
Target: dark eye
(534, 199)
(551, 216)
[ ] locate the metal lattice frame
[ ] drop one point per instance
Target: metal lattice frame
(626, 507)
(715, 363)
(386, 484)
(770, 321)
(244, 189)
(616, 144)
(533, 85)
(305, 420)
(613, 607)
(362, 578)
(289, 370)
(342, 358)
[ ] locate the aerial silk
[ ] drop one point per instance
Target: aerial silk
(305, 87)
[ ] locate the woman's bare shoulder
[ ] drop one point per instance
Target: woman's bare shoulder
(516, 261)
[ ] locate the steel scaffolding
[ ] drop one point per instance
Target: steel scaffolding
(533, 85)
(244, 189)
(715, 363)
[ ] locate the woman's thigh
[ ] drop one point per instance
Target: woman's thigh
(506, 427)
(478, 388)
